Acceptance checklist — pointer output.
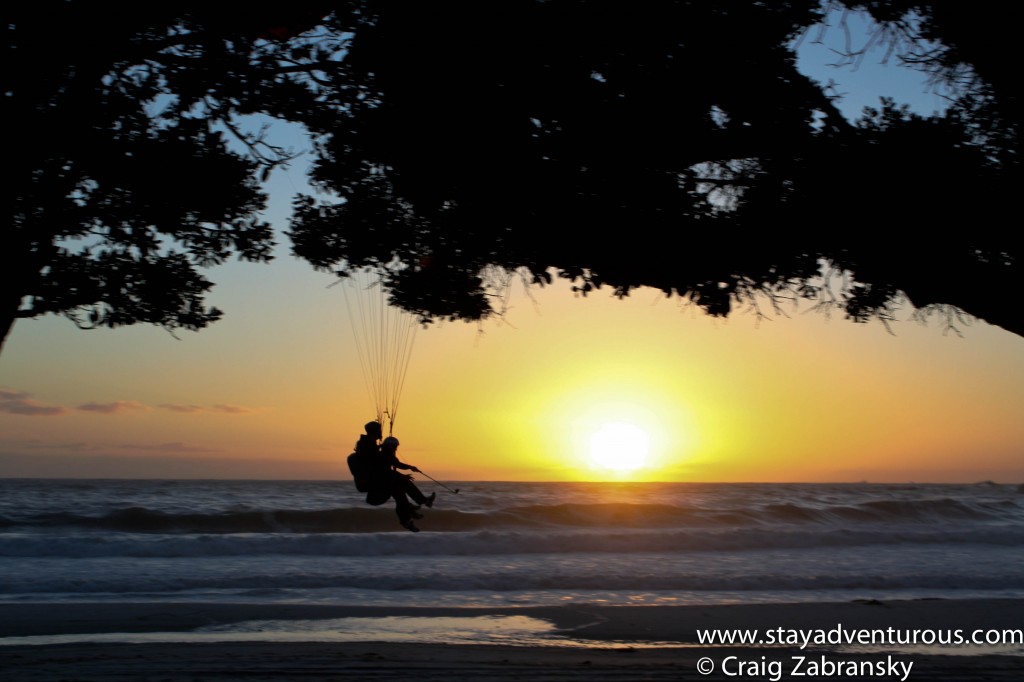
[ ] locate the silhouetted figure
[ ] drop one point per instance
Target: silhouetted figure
(402, 486)
(364, 463)
(374, 469)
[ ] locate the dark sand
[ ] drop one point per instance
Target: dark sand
(600, 643)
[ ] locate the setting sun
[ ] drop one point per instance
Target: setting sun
(620, 447)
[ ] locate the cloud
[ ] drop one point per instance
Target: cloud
(221, 407)
(75, 447)
(113, 408)
(84, 447)
(21, 403)
(184, 409)
(233, 409)
(177, 446)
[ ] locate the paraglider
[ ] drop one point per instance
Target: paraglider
(375, 471)
(384, 336)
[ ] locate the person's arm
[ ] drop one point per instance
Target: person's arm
(393, 461)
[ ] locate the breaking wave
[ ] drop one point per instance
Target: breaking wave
(546, 516)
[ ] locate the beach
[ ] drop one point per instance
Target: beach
(164, 641)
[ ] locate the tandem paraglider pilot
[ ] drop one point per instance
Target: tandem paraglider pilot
(374, 466)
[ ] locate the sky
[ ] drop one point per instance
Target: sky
(561, 388)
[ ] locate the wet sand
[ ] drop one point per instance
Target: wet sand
(583, 642)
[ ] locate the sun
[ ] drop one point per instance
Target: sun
(619, 447)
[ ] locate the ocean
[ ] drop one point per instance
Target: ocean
(506, 543)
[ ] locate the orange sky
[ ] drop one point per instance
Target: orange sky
(275, 390)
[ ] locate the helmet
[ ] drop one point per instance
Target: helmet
(390, 442)
(373, 427)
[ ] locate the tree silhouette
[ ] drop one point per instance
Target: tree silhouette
(672, 145)
(133, 168)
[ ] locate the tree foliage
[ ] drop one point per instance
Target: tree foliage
(134, 168)
(672, 145)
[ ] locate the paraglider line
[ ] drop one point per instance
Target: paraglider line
(454, 492)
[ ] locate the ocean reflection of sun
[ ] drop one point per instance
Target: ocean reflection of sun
(620, 447)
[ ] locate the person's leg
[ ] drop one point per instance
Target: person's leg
(405, 510)
(415, 493)
(419, 497)
(405, 484)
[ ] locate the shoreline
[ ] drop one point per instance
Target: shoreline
(586, 641)
(671, 623)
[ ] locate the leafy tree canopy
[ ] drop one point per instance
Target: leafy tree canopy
(673, 145)
(134, 168)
